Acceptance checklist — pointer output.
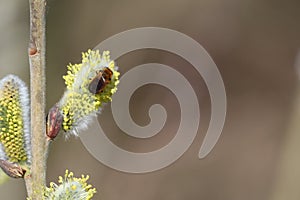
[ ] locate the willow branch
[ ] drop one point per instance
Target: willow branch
(37, 177)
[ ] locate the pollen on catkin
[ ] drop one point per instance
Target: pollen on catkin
(78, 103)
(70, 188)
(14, 120)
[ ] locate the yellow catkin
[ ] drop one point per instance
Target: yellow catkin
(12, 127)
(70, 188)
(78, 102)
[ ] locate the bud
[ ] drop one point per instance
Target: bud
(54, 122)
(12, 169)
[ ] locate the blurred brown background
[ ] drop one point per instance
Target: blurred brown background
(254, 44)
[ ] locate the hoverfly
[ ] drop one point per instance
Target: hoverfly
(99, 82)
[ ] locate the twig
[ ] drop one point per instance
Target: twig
(36, 179)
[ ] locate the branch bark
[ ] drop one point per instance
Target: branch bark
(36, 179)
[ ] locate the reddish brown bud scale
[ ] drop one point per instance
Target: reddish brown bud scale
(32, 50)
(13, 170)
(54, 122)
